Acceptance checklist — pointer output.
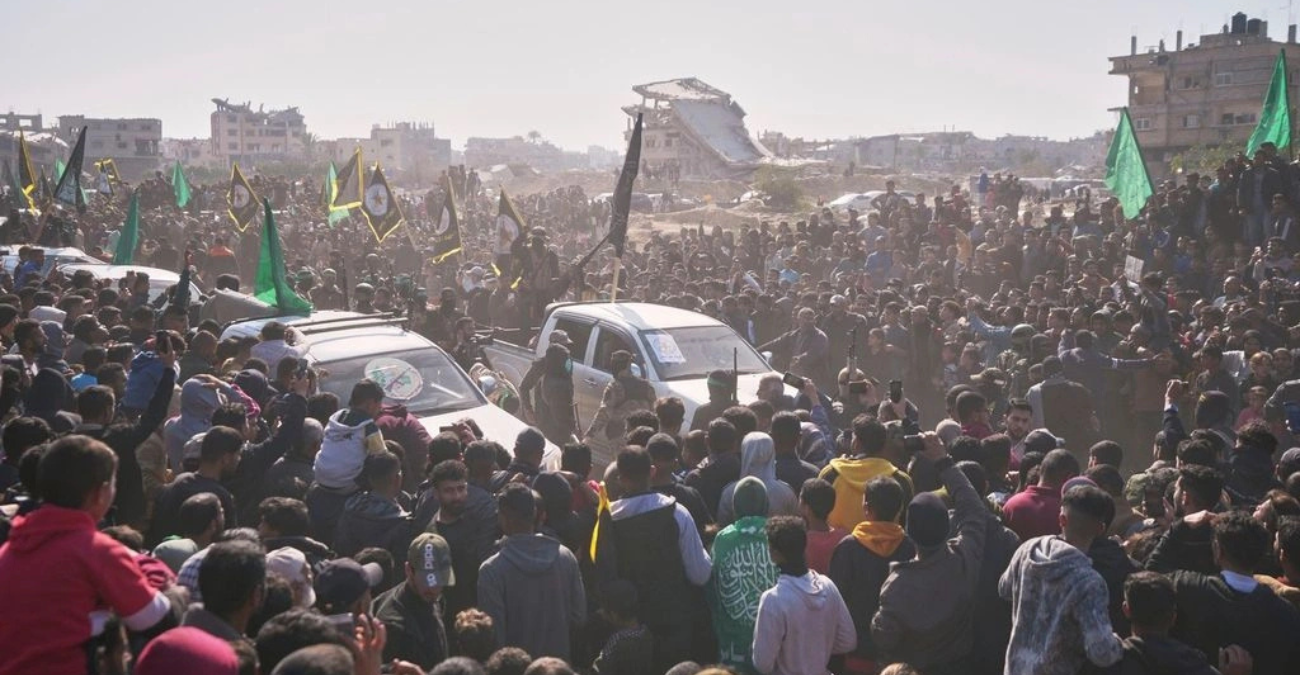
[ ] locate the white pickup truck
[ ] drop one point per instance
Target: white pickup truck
(674, 348)
(412, 370)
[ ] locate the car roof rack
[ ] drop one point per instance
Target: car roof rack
(361, 322)
(341, 319)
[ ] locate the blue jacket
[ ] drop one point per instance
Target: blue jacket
(146, 371)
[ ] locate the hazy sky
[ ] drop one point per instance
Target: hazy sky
(819, 68)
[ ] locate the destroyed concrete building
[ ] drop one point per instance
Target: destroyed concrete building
(43, 142)
(696, 129)
(1206, 93)
(241, 134)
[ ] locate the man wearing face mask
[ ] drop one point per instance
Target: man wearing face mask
(552, 410)
(533, 377)
(540, 267)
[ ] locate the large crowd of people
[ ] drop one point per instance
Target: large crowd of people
(1031, 442)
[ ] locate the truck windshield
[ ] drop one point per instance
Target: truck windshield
(689, 353)
(426, 381)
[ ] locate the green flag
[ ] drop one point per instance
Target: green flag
(1126, 173)
(333, 215)
(271, 286)
(129, 239)
(59, 168)
(180, 186)
(1274, 124)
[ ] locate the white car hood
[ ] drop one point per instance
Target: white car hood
(497, 425)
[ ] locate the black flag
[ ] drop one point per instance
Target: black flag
(508, 239)
(380, 208)
(44, 189)
(623, 192)
(244, 208)
(446, 231)
(349, 182)
(68, 191)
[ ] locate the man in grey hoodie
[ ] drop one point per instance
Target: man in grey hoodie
(531, 588)
(803, 620)
(1060, 620)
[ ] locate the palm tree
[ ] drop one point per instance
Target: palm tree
(534, 136)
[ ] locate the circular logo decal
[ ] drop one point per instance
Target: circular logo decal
(507, 230)
(377, 200)
(444, 223)
(399, 379)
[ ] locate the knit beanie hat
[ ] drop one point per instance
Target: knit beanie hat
(749, 498)
(927, 520)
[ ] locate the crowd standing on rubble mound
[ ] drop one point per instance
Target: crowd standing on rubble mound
(1023, 442)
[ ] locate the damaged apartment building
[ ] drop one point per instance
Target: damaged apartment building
(695, 129)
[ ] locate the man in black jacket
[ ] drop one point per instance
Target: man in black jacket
(1231, 607)
(722, 466)
(469, 526)
(636, 544)
(372, 517)
(666, 456)
(860, 563)
(1150, 603)
(1186, 545)
(412, 610)
(256, 459)
(97, 405)
(292, 474)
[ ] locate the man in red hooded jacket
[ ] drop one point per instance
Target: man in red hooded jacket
(62, 576)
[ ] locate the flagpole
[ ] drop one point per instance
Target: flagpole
(1286, 101)
(618, 267)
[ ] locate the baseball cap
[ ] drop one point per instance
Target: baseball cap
(1041, 440)
(291, 564)
(430, 560)
(560, 336)
(341, 582)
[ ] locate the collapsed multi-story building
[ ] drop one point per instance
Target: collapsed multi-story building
(694, 130)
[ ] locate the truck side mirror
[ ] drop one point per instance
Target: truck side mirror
(767, 356)
(636, 370)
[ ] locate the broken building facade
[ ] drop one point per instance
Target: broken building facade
(241, 134)
(695, 128)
